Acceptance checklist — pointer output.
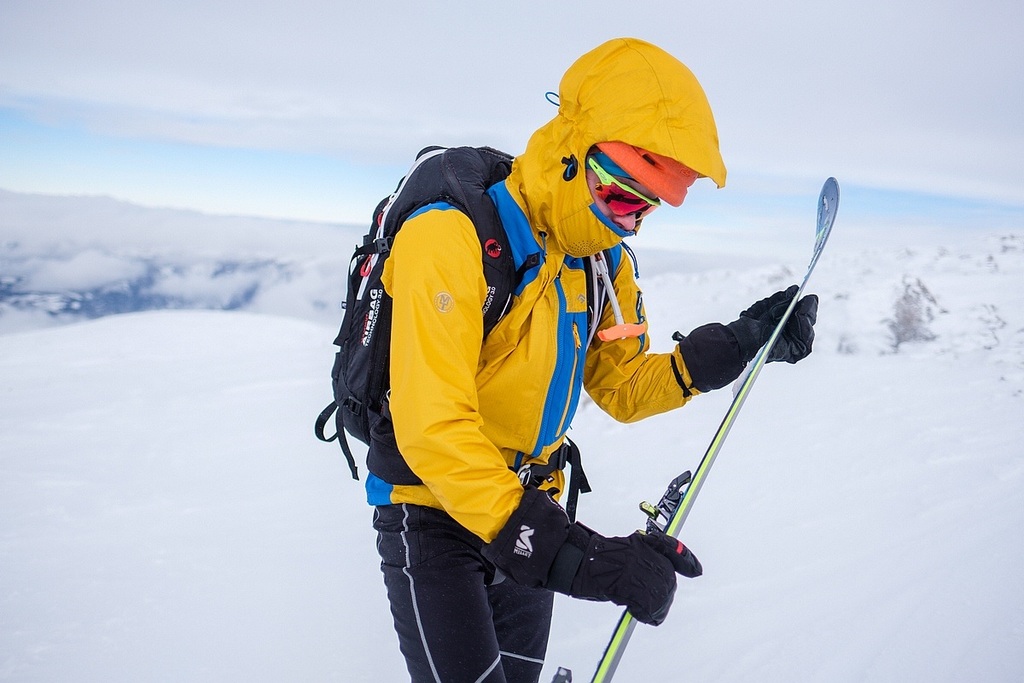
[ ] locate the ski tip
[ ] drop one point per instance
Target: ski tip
(828, 204)
(831, 187)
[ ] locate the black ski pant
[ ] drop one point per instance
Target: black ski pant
(454, 623)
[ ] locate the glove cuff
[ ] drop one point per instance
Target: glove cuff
(748, 333)
(527, 546)
(568, 560)
(713, 356)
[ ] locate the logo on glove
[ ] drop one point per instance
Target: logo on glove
(524, 546)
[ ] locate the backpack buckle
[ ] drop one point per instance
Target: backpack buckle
(560, 458)
(536, 473)
(352, 405)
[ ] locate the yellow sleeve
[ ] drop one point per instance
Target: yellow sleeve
(435, 277)
(629, 383)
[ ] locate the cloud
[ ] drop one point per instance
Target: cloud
(918, 94)
(85, 270)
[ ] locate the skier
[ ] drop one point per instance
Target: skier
(470, 533)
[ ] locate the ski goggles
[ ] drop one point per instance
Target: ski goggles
(622, 199)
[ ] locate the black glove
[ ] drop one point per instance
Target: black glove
(539, 547)
(632, 571)
(755, 325)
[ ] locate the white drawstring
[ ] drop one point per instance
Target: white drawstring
(621, 329)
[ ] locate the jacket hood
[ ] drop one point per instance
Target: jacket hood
(625, 90)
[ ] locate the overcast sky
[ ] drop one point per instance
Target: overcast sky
(309, 108)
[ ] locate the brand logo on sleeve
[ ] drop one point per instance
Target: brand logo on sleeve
(444, 302)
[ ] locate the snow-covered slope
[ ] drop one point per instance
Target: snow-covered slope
(166, 514)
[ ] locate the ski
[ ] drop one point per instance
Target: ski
(675, 505)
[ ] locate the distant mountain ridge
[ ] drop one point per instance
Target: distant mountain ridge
(66, 259)
(233, 285)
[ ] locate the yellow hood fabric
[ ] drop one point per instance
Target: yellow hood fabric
(625, 90)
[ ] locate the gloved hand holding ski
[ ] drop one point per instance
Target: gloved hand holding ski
(716, 354)
(632, 571)
(539, 547)
(755, 326)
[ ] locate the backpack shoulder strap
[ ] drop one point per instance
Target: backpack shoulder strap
(468, 173)
(461, 176)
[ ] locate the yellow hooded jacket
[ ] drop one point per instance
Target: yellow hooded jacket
(467, 410)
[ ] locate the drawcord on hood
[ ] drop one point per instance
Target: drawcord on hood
(621, 329)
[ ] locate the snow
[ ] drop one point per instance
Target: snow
(167, 514)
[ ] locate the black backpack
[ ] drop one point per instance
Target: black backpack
(457, 176)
